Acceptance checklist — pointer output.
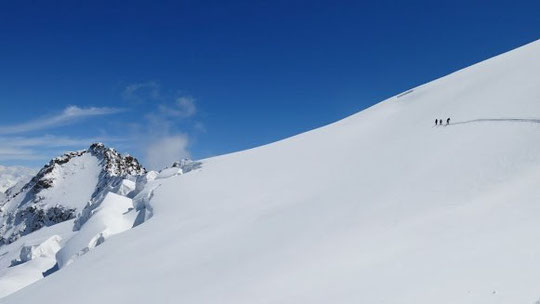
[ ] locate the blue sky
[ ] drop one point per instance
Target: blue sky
(166, 79)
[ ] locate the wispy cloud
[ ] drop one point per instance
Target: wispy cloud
(44, 147)
(142, 92)
(163, 137)
(183, 107)
(15, 145)
(199, 127)
(51, 141)
(69, 115)
(167, 149)
(160, 141)
(14, 153)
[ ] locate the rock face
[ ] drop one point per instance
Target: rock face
(63, 187)
(116, 164)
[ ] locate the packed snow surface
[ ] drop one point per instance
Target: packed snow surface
(381, 207)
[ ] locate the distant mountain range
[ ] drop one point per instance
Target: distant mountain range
(10, 176)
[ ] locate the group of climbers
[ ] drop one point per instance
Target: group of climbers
(439, 122)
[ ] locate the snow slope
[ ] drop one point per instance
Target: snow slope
(24, 261)
(75, 182)
(381, 207)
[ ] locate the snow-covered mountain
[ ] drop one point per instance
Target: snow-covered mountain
(62, 188)
(72, 205)
(11, 176)
(381, 207)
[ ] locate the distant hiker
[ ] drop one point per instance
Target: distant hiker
(448, 121)
(436, 121)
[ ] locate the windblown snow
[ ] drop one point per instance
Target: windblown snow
(381, 207)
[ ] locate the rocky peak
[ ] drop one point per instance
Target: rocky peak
(115, 163)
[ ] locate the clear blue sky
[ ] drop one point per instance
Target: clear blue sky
(211, 77)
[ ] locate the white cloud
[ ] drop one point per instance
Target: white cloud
(199, 127)
(23, 148)
(161, 138)
(183, 107)
(186, 106)
(165, 143)
(165, 150)
(52, 141)
(33, 148)
(13, 153)
(70, 114)
(141, 92)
